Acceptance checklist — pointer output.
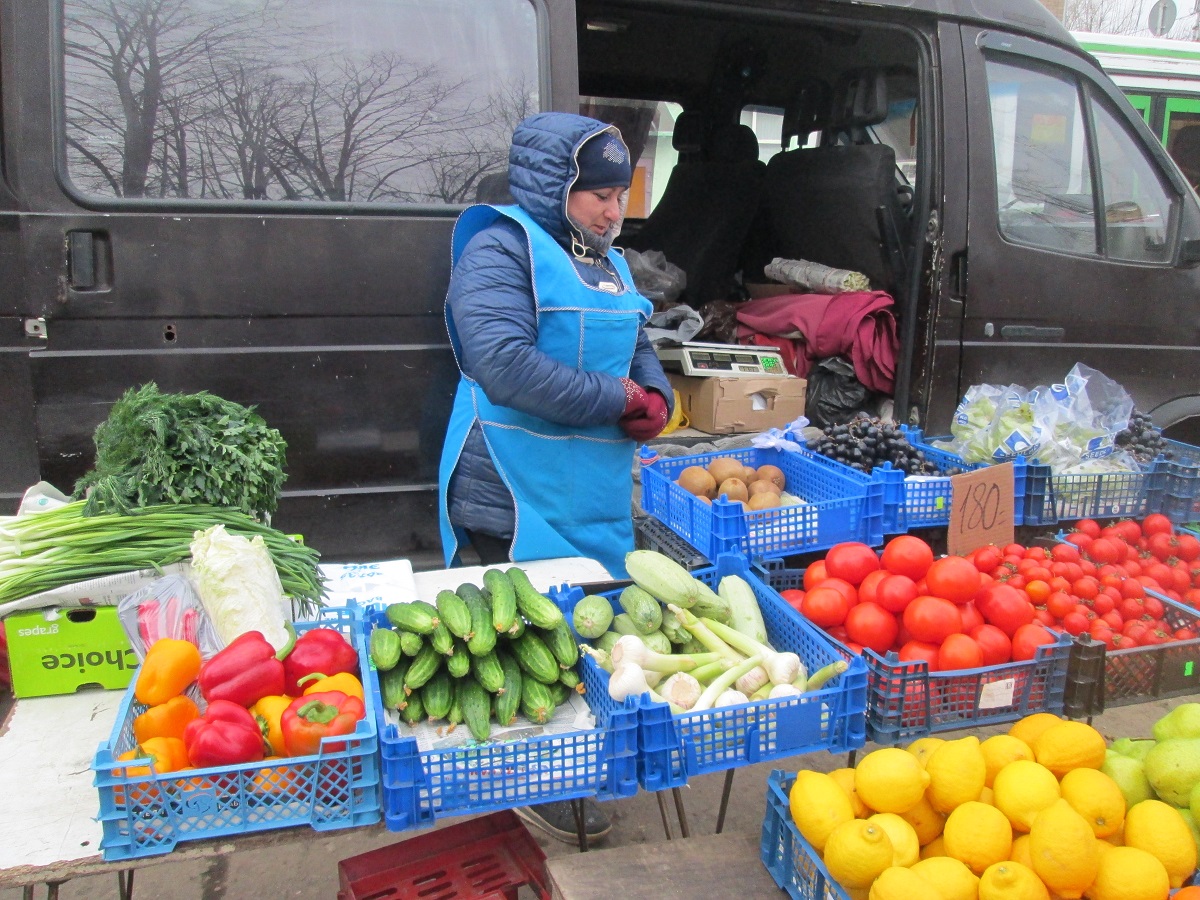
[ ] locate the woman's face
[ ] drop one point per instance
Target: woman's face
(597, 209)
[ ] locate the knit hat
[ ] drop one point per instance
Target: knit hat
(603, 162)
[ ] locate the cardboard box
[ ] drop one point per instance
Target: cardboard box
(59, 650)
(731, 405)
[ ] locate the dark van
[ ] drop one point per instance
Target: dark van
(256, 198)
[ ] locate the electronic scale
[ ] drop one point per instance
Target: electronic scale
(723, 360)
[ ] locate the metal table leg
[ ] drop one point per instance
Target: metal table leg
(580, 833)
(724, 800)
(662, 811)
(125, 884)
(679, 811)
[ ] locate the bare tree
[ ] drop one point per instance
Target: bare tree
(1103, 17)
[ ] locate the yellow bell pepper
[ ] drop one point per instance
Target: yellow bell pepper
(168, 754)
(169, 667)
(344, 681)
(165, 720)
(267, 713)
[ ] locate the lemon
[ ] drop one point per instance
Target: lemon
(925, 820)
(1028, 728)
(978, 835)
(818, 806)
(953, 878)
(1064, 851)
(921, 748)
(1161, 831)
(935, 848)
(890, 780)
(1001, 749)
(1020, 851)
(957, 773)
(1069, 745)
(1010, 880)
(1096, 797)
(1023, 789)
(845, 779)
(988, 796)
(1127, 873)
(906, 847)
(856, 852)
(899, 883)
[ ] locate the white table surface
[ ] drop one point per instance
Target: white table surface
(48, 743)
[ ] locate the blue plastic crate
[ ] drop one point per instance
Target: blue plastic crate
(924, 501)
(673, 748)
(841, 505)
(421, 786)
(1181, 483)
(906, 701)
(792, 861)
(144, 815)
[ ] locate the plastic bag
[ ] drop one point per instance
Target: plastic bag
(834, 394)
(167, 608)
(720, 322)
(674, 325)
(656, 278)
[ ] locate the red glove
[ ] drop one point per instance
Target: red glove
(646, 416)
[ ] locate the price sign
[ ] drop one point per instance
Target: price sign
(981, 511)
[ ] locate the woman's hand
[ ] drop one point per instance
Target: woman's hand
(645, 414)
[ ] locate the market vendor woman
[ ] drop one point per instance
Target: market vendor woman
(558, 380)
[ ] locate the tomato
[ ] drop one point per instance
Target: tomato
(866, 590)
(959, 651)
(1188, 548)
(851, 561)
(1185, 634)
(1027, 639)
(1065, 553)
(986, 558)
(1038, 591)
(1113, 619)
(1157, 523)
(1132, 567)
(1082, 541)
(971, 617)
(1192, 598)
(825, 607)
(1090, 527)
(1005, 607)
(1163, 546)
(1103, 604)
(1060, 603)
(1153, 606)
(843, 587)
(1014, 549)
(908, 555)
(1120, 641)
(932, 619)
(1160, 572)
(1131, 589)
(953, 578)
(1153, 636)
(1129, 530)
(895, 592)
(1134, 630)
(1075, 623)
(815, 574)
(1108, 638)
(1182, 576)
(1085, 587)
(920, 650)
(994, 643)
(838, 633)
(854, 648)
(1102, 551)
(793, 597)
(872, 626)
(1043, 615)
(1131, 608)
(1041, 554)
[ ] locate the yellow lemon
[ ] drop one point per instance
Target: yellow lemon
(1028, 728)
(1161, 831)
(936, 847)
(890, 780)
(925, 820)
(818, 806)
(957, 773)
(988, 796)
(1010, 880)
(1001, 749)
(978, 835)
(1069, 745)
(845, 779)
(953, 878)
(1096, 797)
(899, 883)
(1023, 789)
(856, 852)
(922, 747)
(1064, 851)
(1127, 873)
(1020, 851)
(906, 847)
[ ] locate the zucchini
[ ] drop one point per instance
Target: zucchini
(385, 648)
(607, 641)
(561, 643)
(644, 611)
(488, 672)
(458, 663)
(423, 666)
(539, 610)
(592, 616)
(504, 600)
(674, 630)
(623, 623)
(476, 707)
(662, 577)
(537, 703)
(413, 710)
(391, 687)
(711, 605)
(535, 657)
(441, 639)
(483, 635)
(657, 641)
(437, 695)
(454, 614)
(508, 701)
(410, 643)
(744, 613)
(416, 615)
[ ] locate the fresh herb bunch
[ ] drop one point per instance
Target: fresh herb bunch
(157, 448)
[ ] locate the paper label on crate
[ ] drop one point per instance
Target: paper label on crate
(981, 512)
(374, 583)
(996, 694)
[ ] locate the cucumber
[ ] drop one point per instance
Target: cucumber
(423, 667)
(561, 643)
(559, 693)
(441, 639)
(644, 611)
(483, 635)
(454, 614)
(570, 679)
(385, 648)
(391, 687)
(539, 610)
(410, 643)
(504, 600)
(416, 615)
(537, 703)
(476, 707)
(488, 672)
(508, 701)
(458, 663)
(413, 710)
(518, 628)
(535, 657)
(437, 695)
(454, 716)
(592, 616)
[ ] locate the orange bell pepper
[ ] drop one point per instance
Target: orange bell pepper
(167, 754)
(165, 720)
(346, 682)
(267, 713)
(169, 667)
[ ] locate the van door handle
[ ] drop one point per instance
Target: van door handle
(1032, 333)
(81, 259)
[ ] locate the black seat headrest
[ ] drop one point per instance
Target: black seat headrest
(807, 111)
(733, 143)
(861, 99)
(688, 136)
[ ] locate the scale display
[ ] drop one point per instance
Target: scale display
(721, 360)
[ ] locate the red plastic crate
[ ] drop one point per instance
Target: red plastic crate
(488, 857)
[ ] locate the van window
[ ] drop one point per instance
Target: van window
(363, 101)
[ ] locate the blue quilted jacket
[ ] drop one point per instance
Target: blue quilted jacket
(491, 301)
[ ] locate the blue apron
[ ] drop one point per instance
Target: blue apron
(571, 485)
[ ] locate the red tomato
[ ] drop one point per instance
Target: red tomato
(1188, 548)
(1108, 638)
(932, 619)
(1082, 541)
(959, 651)
(1014, 549)
(1132, 567)
(815, 574)
(838, 633)
(971, 617)
(845, 588)
(994, 643)
(1086, 587)
(920, 650)
(895, 592)
(1113, 619)
(866, 590)
(1129, 530)
(1059, 604)
(1075, 623)
(1005, 607)
(1163, 545)
(872, 626)
(1090, 527)
(793, 597)
(1185, 634)
(1131, 608)
(1027, 639)
(986, 558)
(1157, 523)
(1043, 615)
(953, 578)
(1066, 553)
(907, 555)
(1133, 629)
(1103, 551)
(825, 607)
(1131, 589)
(1103, 604)
(852, 561)
(1153, 606)
(1192, 598)
(1039, 553)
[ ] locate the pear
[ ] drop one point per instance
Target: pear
(1195, 802)
(1130, 776)
(1173, 768)
(1131, 748)
(1181, 722)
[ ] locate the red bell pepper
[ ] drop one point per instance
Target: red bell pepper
(244, 672)
(315, 716)
(225, 735)
(321, 650)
